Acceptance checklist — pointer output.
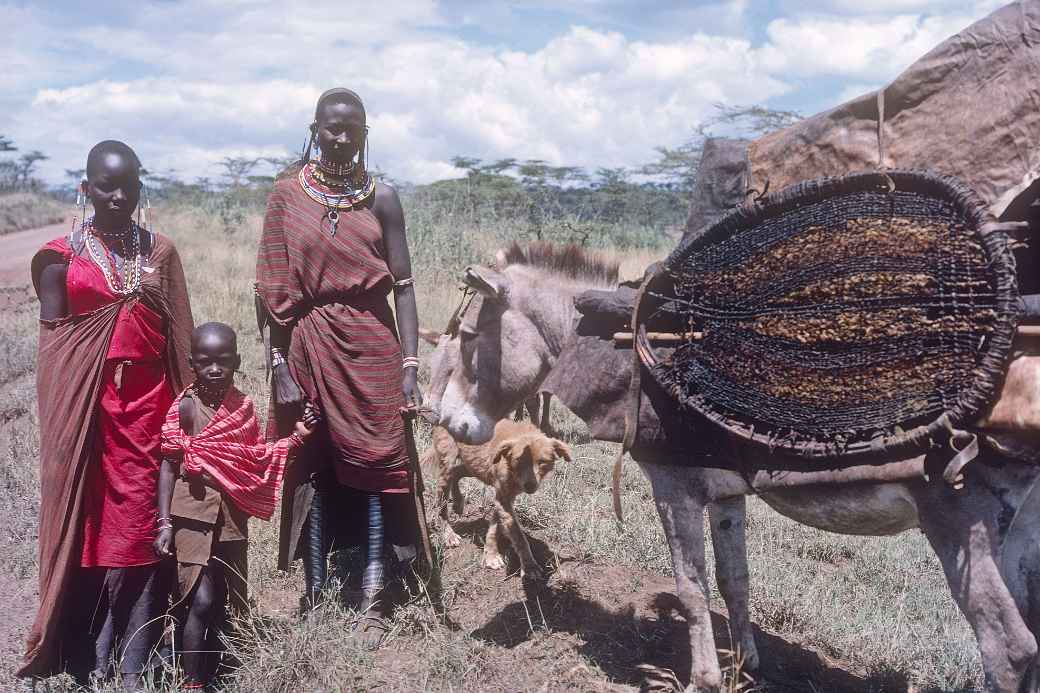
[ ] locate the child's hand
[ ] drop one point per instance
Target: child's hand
(163, 544)
(301, 430)
(311, 418)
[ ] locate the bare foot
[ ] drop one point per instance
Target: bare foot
(370, 627)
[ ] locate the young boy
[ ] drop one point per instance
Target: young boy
(217, 470)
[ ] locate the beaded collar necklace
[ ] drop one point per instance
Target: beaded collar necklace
(332, 168)
(335, 195)
(102, 256)
(211, 396)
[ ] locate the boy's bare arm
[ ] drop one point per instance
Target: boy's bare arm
(164, 498)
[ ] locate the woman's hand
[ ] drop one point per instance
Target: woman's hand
(163, 544)
(286, 391)
(413, 398)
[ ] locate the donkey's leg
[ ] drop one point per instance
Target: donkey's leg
(1020, 555)
(962, 528)
(728, 527)
(682, 515)
(543, 425)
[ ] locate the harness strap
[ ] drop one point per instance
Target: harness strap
(635, 392)
(460, 310)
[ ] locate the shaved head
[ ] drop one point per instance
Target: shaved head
(214, 332)
(103, 149)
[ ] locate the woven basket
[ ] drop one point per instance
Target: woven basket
(865, 314)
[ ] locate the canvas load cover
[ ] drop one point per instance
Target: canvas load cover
(970, 108)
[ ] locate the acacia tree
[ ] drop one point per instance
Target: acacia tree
(26, 164)
(678, 166)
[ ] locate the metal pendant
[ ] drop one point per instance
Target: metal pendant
(333, 216)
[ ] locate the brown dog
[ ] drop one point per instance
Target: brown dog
(514, 461)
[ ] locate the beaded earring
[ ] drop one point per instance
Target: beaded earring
(360, 172)
(143, 209)
(81, 202)
(311, 142)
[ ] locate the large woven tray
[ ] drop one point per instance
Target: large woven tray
(844, 316)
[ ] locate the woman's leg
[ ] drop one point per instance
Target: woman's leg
(373, 606)
(138, 600)
(315, 546)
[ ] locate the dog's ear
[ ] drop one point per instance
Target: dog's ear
(561, 449)
(503, 453)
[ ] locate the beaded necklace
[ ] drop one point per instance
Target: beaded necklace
(313, 177)
(130, 282)
(211, 396)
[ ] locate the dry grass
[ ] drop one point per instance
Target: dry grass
(878, 606)
(27, 210)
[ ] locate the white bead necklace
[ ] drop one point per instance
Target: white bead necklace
(104, 260)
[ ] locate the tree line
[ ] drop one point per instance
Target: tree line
(548, 201)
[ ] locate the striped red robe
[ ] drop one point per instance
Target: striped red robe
(345, 353)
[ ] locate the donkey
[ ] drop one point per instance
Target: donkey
(984, 535)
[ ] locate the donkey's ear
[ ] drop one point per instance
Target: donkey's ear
(561, 449)
(430, 336)
(487, 282)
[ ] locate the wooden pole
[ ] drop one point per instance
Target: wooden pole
(1024, 331)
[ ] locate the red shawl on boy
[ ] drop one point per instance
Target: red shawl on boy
(232, 450)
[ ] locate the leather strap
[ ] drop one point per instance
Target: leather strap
(635, 392)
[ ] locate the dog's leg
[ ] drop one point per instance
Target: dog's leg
(458, 501)
(504, 513)
(492, 556)
(448, 483)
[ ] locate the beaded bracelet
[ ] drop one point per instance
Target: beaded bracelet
(277, 357)
(410, 362)
(164, 523)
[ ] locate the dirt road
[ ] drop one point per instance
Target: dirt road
(18, 249)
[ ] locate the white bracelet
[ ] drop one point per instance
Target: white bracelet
(410, 362)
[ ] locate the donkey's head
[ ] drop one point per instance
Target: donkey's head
(510, 336)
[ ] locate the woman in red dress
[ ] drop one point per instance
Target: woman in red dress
(114, 329)
(333, 248)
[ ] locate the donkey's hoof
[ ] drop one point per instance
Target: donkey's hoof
(451, 539)
(494, 561)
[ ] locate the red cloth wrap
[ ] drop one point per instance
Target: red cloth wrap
(232, 450)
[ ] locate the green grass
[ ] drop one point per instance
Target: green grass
(879, 606)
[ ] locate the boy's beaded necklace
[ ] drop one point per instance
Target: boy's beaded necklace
(211, 396)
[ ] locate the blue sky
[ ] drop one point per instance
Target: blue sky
(575, 82)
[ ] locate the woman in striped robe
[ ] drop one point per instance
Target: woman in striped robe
(333, 249)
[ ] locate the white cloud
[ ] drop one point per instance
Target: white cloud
(224, 79)
(865, 48)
